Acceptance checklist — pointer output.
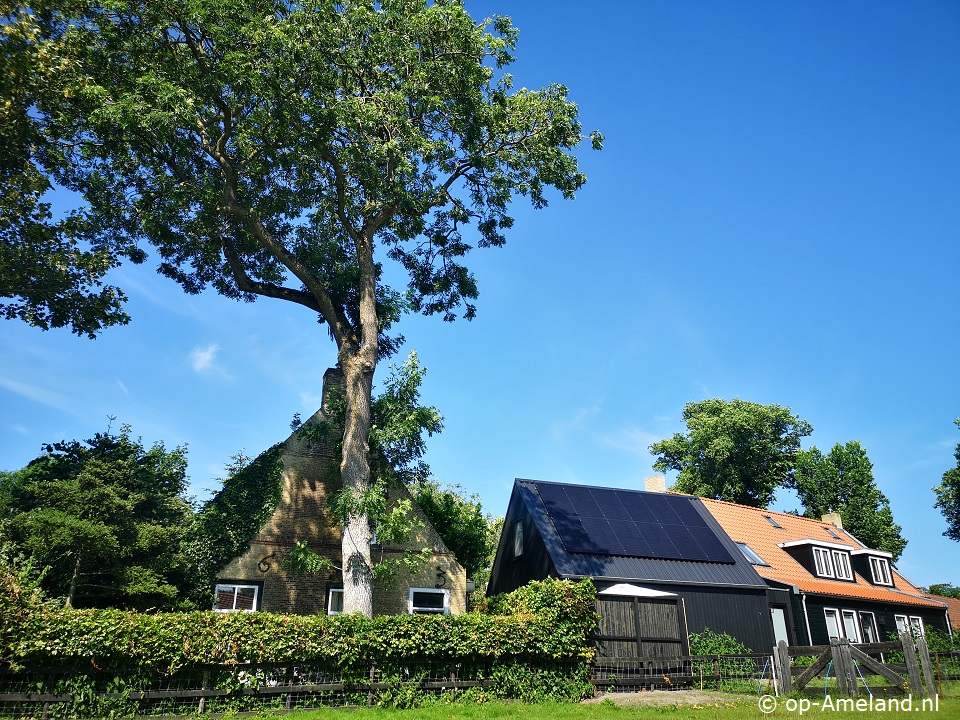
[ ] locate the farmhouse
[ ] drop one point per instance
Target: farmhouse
(662, 565)
(838, 587)
(308, 475)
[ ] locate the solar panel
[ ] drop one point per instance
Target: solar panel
(602, 521)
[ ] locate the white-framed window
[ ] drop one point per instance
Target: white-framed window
(916, 625)
(822, 562)
(233, 597)
(850, 627)
(750, 554)
(868, 627)
(429, 601)
(832, 616)
(902, 623)
(334, 600)
(517, 539)
(841, 565)
(880, 569)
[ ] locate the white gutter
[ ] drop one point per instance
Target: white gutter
(806, 617)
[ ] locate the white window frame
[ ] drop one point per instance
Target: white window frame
(224, 586)
(331, 592)
(445, 610)
(903, 623)
(864, 615)
(880, 569)
(827, 612)
(822, 562)
(916, 625)
(854, 625)
(518, 539)
(841, 565)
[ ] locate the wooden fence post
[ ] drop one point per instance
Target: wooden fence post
(204, 684)
(910, 657)
(925, 665)
(782, 660)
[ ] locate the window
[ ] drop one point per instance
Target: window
(822, 561)
(517, 539)
(841, 565)
(880, 569)
(916, 624)
(850, 627)
(236, 598)
(832, 533)
(833, 623)
(749, 554)
(902, 623)
(868, 627)
(429, 601)
(334, 600)
(773, 522)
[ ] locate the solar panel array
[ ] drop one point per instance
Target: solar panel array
(602, 521)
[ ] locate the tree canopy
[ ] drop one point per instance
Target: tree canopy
(842, 481)
(733, 450)
(106, 516)
(286, 150)
(948, 496)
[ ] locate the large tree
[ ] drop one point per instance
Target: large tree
(842, 481)
(948, 496)
(105, 516)
(733, 450)
(286, 149)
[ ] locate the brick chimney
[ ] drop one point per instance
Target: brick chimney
(655, 483)
(834, 518)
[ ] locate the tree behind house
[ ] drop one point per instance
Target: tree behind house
(286, 150)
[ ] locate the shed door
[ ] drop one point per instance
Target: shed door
(639, 627)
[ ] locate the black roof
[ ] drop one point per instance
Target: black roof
(630, 534)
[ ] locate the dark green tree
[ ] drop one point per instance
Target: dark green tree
(842, 481)
(287, 149)
(733, 450)
(106, 517)
(945, 590)
(948, 496)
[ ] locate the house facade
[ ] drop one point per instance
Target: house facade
(257, 579)
(662, 565)
(836, 586)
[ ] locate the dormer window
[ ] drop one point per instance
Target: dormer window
(830, 559)
(841, 565)
(823, 562)
(880, 569)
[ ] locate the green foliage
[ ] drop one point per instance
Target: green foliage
(842, 481)
(944, 590)
(106, 517)
(225, 524)
(939, 641)
(733, 450)
(709, 642)
(550, 621)
(461, 523)
(948, 496)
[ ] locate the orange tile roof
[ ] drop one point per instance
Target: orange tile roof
(953, 605)
(748, 525)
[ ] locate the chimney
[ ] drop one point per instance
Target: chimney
(655, 483)
(834, 518)
(332, 383)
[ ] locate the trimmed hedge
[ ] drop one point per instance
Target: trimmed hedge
(550, 620)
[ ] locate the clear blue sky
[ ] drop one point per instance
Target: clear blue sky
(775, 217)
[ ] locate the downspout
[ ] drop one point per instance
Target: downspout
(806, 617)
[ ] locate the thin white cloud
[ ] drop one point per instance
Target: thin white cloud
(36, 394)
(580, 417)
(122, 386)
(310, 401)
(202, 357)
(20, 429)
(631, 439)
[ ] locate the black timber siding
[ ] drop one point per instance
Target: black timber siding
(740, 612)
(883, 613)
(510, 573)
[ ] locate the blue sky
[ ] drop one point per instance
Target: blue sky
(775, 217)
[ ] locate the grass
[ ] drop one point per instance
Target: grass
(746, 709)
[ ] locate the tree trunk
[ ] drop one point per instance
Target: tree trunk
(355, 471)
(73, 582)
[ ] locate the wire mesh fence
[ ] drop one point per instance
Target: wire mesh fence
(89, 691)
(730, 673)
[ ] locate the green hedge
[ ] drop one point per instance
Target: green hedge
(549, 620)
